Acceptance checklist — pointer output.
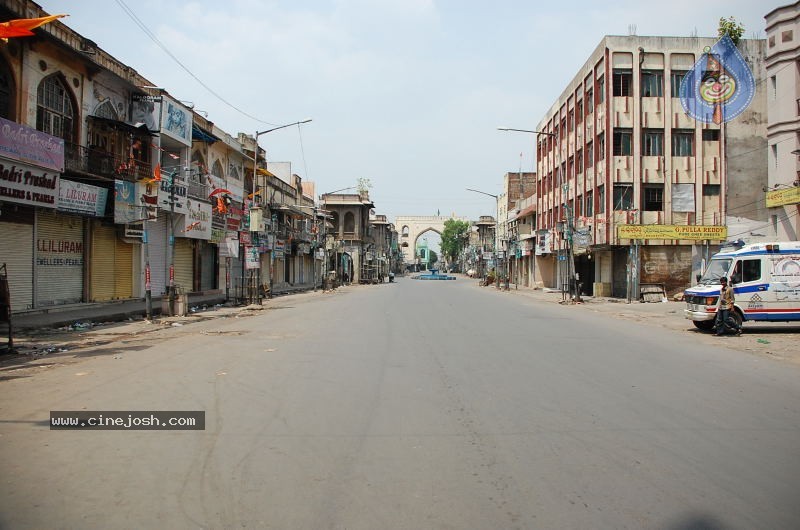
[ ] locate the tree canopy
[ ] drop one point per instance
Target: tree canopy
(732, 27)
(454, 238)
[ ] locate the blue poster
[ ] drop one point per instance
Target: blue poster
(720, 85)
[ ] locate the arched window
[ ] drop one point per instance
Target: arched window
(6, 91)
(106, 110)
(234, 172)
(335, 221)
(405, 231)
(54, 108)
(216, 170)
(349, 222)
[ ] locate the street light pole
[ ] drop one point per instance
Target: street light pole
(570, 254)
(255, 179)
(494, 239)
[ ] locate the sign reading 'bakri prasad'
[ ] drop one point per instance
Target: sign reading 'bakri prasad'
(696, 233)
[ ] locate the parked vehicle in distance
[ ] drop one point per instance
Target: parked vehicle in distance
(765, 279)
(471, 273)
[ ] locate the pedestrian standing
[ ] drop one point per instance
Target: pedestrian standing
(725, 323)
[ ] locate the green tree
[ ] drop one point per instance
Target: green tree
(732, 27)
(454, 238)
(432, 258)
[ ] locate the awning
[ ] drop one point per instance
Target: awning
(264, 172)
(198, 133)
(123, 126)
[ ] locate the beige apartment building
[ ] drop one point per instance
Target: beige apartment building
(783, 128)
(617, 148)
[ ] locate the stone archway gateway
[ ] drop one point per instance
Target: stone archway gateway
(411, 227)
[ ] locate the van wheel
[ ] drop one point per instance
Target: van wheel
(705, 325)
(737, 317)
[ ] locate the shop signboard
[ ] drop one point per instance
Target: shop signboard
(197, 222)
(24, 184)
(25, 144)
(82, 198)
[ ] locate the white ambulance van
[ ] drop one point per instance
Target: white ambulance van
(765, 279)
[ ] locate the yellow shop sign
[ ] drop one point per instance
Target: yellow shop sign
(697, 233)
(783, 197)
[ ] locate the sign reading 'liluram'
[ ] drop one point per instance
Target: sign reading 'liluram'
(697, 233)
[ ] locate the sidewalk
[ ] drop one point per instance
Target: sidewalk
(59, 316)
(775, 340)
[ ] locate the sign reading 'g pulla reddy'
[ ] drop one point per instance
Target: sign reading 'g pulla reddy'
(685, 232)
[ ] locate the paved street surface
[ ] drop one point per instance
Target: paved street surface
(412, 405)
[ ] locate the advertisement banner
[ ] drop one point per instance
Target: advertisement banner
(252, 260)
(125, 202)
(784, 197)
(146, 109)
(229, 247)
(24, 184)
(198, 220)
(25, 144)
(176, 121)
(82, 198)
(694, 233)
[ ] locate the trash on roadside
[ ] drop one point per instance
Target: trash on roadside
(763, 341)
(176, 324)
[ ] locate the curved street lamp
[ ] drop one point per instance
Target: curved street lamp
(255, 179)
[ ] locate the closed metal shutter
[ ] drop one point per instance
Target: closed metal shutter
(208, 266)
(157, 247)
(184, 264)
(101, 265)
(123, 270)
(59, 258)
(16, 251)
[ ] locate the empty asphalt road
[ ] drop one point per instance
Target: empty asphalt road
(414, 405)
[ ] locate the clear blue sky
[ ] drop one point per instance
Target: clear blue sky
(407, 93)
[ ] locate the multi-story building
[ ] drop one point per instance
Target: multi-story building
(107, 191)
(381, 249)
(516, 187)
(617, 148)
(121, 191)
(349, 217)
(783, 129)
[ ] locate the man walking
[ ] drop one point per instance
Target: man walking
(725, 322)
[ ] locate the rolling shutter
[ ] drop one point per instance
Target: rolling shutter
(123, 270)
(157, 247)
(184, 264)
(102, 270)
(59, 258)
(16, 251)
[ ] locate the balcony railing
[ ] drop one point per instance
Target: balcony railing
(102, 163)
(197, 190)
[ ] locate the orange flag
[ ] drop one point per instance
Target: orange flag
(157, 172)
(22, 27)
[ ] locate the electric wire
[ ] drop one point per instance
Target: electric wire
(166, 50)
